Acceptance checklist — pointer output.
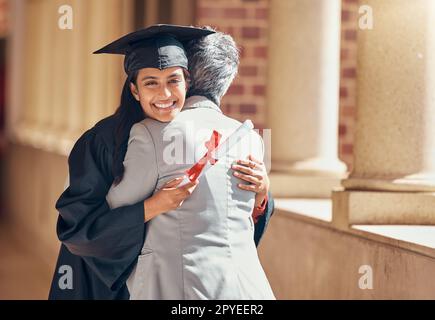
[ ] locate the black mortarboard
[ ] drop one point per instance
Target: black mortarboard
(158, 46)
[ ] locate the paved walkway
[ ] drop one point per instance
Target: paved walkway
(23, 275)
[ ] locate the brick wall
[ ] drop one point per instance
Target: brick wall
(4, 28)
(4, 18)
(246, 21)
(349, 22)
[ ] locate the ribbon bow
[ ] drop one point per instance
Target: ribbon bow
(194, 172)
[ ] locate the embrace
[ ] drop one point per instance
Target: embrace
(129, 228)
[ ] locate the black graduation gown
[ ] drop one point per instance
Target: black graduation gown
(101, 245)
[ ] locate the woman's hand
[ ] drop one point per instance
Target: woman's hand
(168, 198)
(253, 171)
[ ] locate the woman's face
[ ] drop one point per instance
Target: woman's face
(161, 93)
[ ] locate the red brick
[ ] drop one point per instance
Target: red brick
(348, 112)
(344, 54)
(226, 107)
(206, 12)
(342, 129)
(261, 13)
(259, 90)
(347, 148)
(247, 108)
(260, 52)
(251, 32)
(236, 89)
(345, 15)
(343, 92)
(350, 34)
(236, 13)
(349, 73)
(248, 71)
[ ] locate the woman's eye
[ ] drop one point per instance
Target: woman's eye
(151, 83)
(175, 81)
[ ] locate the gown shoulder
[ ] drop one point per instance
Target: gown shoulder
(107, 241)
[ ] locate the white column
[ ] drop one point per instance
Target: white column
(79, 51)
(393, 180)
(302, 97)
(58, 88)
(60, 71)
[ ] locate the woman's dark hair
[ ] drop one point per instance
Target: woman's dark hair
(128, 113)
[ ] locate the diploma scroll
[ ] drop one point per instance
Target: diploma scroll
(216, 151)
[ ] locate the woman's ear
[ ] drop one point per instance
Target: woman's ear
(134, 92)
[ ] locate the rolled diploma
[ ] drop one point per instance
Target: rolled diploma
(223, 149)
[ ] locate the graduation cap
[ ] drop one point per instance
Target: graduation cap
(158, 46)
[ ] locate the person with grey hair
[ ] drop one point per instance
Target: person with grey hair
(203, 248)
(213, 65)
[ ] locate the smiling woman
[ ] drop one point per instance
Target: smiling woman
(99, 244)
(161, 93)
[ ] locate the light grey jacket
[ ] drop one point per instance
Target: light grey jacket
(205, 248)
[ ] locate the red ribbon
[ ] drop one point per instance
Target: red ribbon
(194, 172)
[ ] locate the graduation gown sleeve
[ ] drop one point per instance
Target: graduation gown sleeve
(263, 221)
(109, 241)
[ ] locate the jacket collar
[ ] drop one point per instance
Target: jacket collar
(200, 102)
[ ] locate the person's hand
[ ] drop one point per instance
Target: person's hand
(253, 171)
(168, 198)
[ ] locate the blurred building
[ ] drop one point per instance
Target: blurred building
(350, 110)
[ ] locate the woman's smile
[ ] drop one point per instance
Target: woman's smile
(165, 106)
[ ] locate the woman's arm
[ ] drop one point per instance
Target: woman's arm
(168, 198)
(141, 176)
(140, 170)
(254, 172)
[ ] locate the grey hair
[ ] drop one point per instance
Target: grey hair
(213, 65)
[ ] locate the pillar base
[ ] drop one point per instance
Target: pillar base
(377, 207)
(414, 183)
(299, 186)
(321, 166)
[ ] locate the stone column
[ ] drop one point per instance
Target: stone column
(79, 50)
(58, 88)
(61, 81)
(302, 97)
(393, 180)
